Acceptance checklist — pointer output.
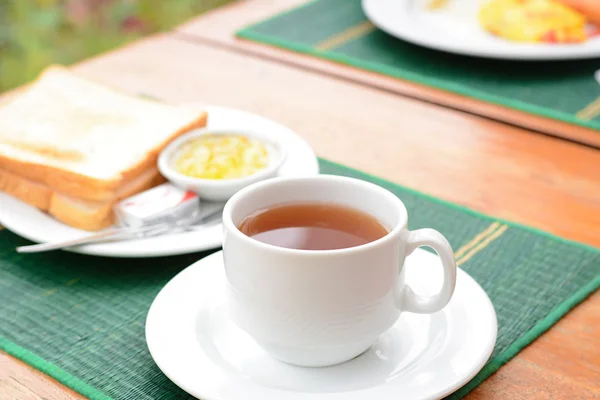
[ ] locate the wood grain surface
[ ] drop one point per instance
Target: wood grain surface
(218, 28)
(495, 168)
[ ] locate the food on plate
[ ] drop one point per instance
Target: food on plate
(73, 210)
(73, 148)
(590, 8)
(436, 4)
(534, 21)
(221, 157)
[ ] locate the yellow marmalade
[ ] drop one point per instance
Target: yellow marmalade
(221, 157)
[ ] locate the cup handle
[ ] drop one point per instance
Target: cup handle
(406, 298)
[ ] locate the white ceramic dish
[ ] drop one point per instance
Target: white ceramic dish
(39, 227)
(220, 189)
(196, 345)
(455, 29)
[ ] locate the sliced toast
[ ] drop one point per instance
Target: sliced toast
(83, 139)
(74, 211)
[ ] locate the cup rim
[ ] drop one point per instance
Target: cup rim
(232, 229)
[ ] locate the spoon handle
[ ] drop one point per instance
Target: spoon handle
(97, 237)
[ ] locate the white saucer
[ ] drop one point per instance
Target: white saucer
(195, 344)
(37, 226)
(455, 28)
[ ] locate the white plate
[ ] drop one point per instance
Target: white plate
(37, 226)
(195, 344)
(455, 29)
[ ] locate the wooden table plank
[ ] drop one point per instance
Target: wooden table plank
(495, 168)
(499, 169)
(218, 27)
(19, 381)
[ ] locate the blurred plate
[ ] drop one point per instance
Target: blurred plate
(37, 226)
(455, 28)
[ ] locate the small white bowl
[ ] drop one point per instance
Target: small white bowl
(219, 189)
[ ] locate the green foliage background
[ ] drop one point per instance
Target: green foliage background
(36, 33)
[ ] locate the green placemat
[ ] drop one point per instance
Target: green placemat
(81, 319)
(338, 30)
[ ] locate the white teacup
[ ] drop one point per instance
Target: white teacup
(323, 307)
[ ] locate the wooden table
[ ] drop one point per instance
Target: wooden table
(349, 116)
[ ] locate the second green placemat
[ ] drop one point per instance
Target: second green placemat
(338, 30)
(80, 319)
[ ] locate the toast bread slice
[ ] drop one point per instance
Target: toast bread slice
(83, 139)
(76, 212)
(32, 193)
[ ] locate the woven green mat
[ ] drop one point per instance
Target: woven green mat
(81, 319)
(338, 30)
